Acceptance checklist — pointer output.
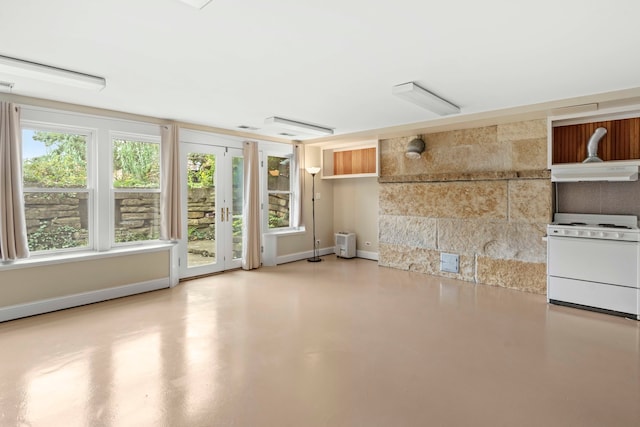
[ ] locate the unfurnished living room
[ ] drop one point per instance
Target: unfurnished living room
(319, 213)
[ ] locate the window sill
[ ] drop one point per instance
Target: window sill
(287, 232)
(40, 260)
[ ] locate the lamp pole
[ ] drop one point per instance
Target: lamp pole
(313, 171)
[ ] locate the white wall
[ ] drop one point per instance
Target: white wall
(355, 209)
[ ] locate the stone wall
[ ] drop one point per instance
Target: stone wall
(483, 193)
(201, 216)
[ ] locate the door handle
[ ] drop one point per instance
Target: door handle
(227, 214)
(221, 214)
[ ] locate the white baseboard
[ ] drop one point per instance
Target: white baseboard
(60, 303)
(325, 251)
(367, 255)
(302, 255)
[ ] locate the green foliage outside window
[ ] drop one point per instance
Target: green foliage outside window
(201, 169)
(136, 164)
(64, 165)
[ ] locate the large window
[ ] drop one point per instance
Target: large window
(279, 191)
(136, 189)
(56, 191)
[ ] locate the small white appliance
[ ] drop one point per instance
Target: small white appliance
(345, 244)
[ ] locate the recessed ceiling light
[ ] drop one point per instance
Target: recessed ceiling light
(245, 127)
(198, 4)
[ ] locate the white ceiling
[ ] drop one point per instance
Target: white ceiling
(329, 62)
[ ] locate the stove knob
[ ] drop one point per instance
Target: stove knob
(619, 235)
(591, 233)
(601, 234)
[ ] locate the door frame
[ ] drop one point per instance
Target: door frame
(224, 149)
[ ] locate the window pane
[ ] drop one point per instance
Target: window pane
(53, 159)
(237, 200)
(278, 210)
(201, 209)
(56, 220)
(136, 164)
(137, 217)
(278, 173)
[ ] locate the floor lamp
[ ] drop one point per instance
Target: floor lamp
(313, 171)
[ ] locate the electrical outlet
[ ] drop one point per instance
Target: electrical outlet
(367, 243)
(317, 196)
(318, 242)
(449, 262)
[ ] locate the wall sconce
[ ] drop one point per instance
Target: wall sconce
(415, 149)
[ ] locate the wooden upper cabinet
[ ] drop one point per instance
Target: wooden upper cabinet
(622, 141)
(354, 161)
(360, 161)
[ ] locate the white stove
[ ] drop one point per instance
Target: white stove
(593, 262)
(608, 227)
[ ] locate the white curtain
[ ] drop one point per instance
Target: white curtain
(13, 229)
(251, 207)
(170, 222)
(297, 172)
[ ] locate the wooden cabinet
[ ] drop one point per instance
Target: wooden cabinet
(568, 136)
(351, 161)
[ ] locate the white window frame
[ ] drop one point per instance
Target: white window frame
(90, 135)
(129, 136)
(276, 150)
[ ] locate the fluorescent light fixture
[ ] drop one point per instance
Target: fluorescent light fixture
(198, 4)
(21, 68)
(298, 127)
(6, 86)
(422, 97)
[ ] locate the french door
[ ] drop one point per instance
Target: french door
(212, 196)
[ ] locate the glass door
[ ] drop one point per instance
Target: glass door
(212, 209)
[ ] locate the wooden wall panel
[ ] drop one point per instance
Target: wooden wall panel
(622, 141)
(354, 161)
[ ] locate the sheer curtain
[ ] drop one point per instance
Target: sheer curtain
(251, 207)
(13, 229)
(170, 218)
(297, 172)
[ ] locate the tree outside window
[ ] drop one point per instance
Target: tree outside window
(279, 190)
(56, 196)
(136, 189)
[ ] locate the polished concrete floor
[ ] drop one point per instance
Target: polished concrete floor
(336, 343)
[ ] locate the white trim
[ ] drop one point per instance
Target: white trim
(303, 255)
(83, 255)
(367, 255)
(76, 300)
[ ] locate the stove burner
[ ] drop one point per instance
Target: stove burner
(573, 224)
(614, 226)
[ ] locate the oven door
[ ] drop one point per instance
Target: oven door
(601, 261)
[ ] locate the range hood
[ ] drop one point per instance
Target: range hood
(604, 171)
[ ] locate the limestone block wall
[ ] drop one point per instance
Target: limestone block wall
(482, 193)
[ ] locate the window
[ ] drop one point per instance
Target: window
(136, 189)
(279, 191)
(56, 191)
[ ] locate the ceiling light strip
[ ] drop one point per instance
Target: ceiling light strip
(298, 126)
(418, 95)
(198, 4)
(22, 68)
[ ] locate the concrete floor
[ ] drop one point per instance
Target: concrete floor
(336, 343)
